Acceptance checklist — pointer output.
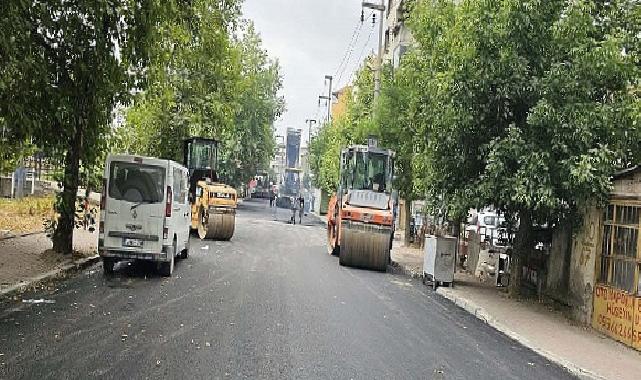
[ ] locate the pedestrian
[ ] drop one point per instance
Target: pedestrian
(301, 209)
(293, 204)
(271, 198)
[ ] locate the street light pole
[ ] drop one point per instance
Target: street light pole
(379, 59)
(310, 122)
(328, 97)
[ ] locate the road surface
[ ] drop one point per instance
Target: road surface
(270, 304)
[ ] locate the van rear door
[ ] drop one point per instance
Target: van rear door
(135, 209)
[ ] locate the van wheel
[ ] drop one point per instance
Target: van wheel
(185, 252)
(108, 265)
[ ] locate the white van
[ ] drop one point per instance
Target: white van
(487, 223)
(144, 212)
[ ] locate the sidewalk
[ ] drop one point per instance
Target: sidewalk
(585, 352)
(409, 259)
(24, 260)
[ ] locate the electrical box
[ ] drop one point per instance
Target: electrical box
(439, 260)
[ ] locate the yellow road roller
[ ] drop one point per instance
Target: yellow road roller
(213, 204)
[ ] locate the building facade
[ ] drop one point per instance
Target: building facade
(398, 38)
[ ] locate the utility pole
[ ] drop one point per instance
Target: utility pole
(379, 59)
(327, 97)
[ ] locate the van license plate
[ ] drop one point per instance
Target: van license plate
(127, 242)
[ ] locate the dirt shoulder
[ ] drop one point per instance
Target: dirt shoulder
(25, 215)
(23, 258)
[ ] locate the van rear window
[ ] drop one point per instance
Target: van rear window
(490, 221)
(136, 183)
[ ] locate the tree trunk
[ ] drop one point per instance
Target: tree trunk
(523, 245)
(63, 236)
(408, 218)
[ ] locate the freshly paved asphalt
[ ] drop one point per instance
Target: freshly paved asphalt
(269, 304)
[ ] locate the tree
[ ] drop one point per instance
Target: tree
(63, 67)
(209, 79)
(527, 105)
(193, 76)
(396, 121)
(250, 145)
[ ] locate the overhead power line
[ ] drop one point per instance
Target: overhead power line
(350, 47)
(360, 58)
(351, 51)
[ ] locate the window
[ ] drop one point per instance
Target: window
(179, 187)
(620, 259)
(202, 155)
(490, 221)
(370, 171)
(133, 182)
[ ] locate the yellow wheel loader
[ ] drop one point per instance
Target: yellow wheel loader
(213, 204)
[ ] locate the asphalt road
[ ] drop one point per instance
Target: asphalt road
(269, 304)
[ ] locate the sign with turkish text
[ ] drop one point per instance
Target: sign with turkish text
(614, 314)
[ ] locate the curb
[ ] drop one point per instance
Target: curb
(67, 268)
(484, 316)
(21, 235)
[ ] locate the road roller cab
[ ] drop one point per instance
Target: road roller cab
(213, 204)
(360, 221)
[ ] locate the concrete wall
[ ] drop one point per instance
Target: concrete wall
(321, 201)
(5, 187)
(586, 244)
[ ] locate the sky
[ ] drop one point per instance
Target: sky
(310, 39)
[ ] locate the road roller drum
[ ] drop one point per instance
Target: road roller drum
(365, 245)
(218, 224)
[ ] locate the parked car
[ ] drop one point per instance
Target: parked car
(144, 212)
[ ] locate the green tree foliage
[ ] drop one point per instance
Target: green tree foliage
(527, 104)
(63, 66)
(209, 77)
(249, 144)
(191, 80)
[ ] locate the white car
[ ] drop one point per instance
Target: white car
(144, 212)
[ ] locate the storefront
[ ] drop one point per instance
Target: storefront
(617, 293)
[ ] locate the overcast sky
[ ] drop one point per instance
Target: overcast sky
(310, 39)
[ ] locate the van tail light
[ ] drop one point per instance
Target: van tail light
(103, 195)
(168, 204)
(165, 233)
(101, 227)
